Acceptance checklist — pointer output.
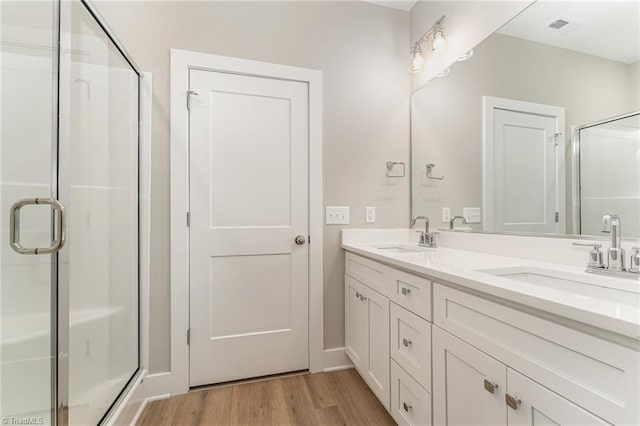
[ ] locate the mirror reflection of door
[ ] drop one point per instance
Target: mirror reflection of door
(523, 166)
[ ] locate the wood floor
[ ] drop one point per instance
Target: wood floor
(335, 398)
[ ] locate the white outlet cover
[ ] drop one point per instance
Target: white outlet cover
(446, 214)
(337, 215)
(370, 215)
(472, 214)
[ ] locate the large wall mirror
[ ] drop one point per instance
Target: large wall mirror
(539, 130)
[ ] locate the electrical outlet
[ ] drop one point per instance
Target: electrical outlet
(370, 215)
(337, 215)
(446, 214)
(472, 214)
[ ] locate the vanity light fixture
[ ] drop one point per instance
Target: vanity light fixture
(417, 59)
(438, 42)
(437, 39)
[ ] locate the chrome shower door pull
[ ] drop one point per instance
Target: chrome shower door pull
(59, 232)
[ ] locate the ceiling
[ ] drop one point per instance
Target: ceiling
(405, 5)
(608, 29)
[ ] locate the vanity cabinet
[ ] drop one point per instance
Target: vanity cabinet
(367, 335)
(444, 354)
(388, 336)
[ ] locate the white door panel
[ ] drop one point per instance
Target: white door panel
(525, 172)
(524, 167)
(248, 201)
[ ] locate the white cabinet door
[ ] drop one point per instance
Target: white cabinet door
(468, 385)
(377, 368)
(536, 405)
(356, 323)
(367, 335)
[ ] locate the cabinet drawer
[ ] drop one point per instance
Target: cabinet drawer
(411, 292)
(411, 344)
(587, 370)
(410, 403)
(369, 272)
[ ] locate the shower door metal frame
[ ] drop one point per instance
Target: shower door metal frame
(576, 186)
(60, 290)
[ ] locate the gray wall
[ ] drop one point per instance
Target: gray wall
(447, 112)
(362, 50)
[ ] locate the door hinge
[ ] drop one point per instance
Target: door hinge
(556, 138)
(309, 239)
(188, 219)
(188, 336)
(557, 217)
(189, 93)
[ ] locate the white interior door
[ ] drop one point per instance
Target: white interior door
(524, 169)
(248, 203)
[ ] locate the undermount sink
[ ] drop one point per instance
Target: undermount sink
(591, 286)
(399, 249)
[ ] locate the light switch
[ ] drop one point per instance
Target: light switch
(337, 215)
(446, 214)
(472, 214)
(370, 215)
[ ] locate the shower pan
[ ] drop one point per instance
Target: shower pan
(69, 215)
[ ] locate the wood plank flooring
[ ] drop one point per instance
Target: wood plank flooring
(335, 398)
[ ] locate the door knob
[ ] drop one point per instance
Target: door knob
(300, 240)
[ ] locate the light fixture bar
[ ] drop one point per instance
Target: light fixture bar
(436, 26)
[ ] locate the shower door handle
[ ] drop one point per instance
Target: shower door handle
(59, 232)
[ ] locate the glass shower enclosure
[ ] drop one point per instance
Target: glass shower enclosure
(69, 249)
(607, 174)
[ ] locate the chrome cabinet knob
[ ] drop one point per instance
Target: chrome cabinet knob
(406, 291)
(406, 406)
(300, 240)
(406, 342)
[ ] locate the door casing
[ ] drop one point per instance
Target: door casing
(177, 380)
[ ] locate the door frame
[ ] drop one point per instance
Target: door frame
(181, 62)
(489, 104)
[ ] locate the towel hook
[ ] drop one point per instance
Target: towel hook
(430, 168)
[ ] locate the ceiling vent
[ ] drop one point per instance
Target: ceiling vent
(558, 24)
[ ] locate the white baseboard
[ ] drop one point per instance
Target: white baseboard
(158, 384)
(336, 359)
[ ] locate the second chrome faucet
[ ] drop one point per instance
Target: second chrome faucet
(427, 239)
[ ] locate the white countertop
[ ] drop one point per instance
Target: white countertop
(461, 267)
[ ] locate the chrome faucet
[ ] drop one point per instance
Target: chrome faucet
(427, 239)
(453, 219)
(615, 254)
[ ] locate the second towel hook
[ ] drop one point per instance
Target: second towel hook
(430, 168)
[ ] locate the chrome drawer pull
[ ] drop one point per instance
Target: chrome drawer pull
(406, 407)
(512, 401)
(490, 386)
(406, 342)
(406, 291)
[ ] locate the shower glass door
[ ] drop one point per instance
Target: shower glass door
(69, 344)
(28, 79)
(99, 186)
